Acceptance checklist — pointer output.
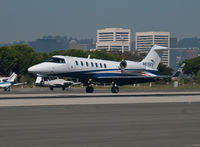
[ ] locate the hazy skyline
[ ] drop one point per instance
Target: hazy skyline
(28, 20)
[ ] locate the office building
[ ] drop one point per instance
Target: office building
(73, 44)
(111, 39)
(145, 40)
(173, 42)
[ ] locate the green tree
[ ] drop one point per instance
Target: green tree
(192, 66)
(197, 78)
(25, 57)
(8, 60)
(82, 53)
(164, 70)
(18, 58)
(105, 55)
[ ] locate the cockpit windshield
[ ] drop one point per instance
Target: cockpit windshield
(56, 60)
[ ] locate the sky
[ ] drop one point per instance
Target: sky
(27, 20)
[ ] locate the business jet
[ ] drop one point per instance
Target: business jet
(53, 82)
(90, 71)
(7, 82)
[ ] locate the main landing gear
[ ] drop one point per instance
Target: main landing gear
(51, 88)
(114, 88)
(89, 88)
(63, 88)
(7, 89)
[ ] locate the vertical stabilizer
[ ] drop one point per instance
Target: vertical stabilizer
(12, 77)
(152, 59)
(39, 80)
(179, 71)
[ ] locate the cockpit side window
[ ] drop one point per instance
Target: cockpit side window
(56, 60)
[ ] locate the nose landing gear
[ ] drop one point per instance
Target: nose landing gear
(114, 88)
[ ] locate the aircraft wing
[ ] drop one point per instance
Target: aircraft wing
(18, 84)
(69, 83)
(66, 84)
(76, 83)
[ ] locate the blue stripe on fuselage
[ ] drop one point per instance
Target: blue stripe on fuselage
(99, 72)
(2, 83)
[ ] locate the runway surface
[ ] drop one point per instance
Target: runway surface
(33, 97)
(44, 90)
(141, 119)
(140, 125)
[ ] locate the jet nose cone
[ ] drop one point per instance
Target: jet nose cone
(35, 69)
(42, 68)
(32, 69)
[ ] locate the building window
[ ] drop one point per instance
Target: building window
(105, 66)
(96, 64)
(81, 63)
(76, 63)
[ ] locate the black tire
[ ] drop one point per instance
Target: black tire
(89, 89)
(114, 89)
(63, 88)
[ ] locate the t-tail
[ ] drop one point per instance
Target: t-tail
(152, 59)
(12, 77)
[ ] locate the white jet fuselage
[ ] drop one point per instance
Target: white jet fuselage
(90, 71)
(95, 69)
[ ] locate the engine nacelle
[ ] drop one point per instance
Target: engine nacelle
(123, 64)
(131, 65)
